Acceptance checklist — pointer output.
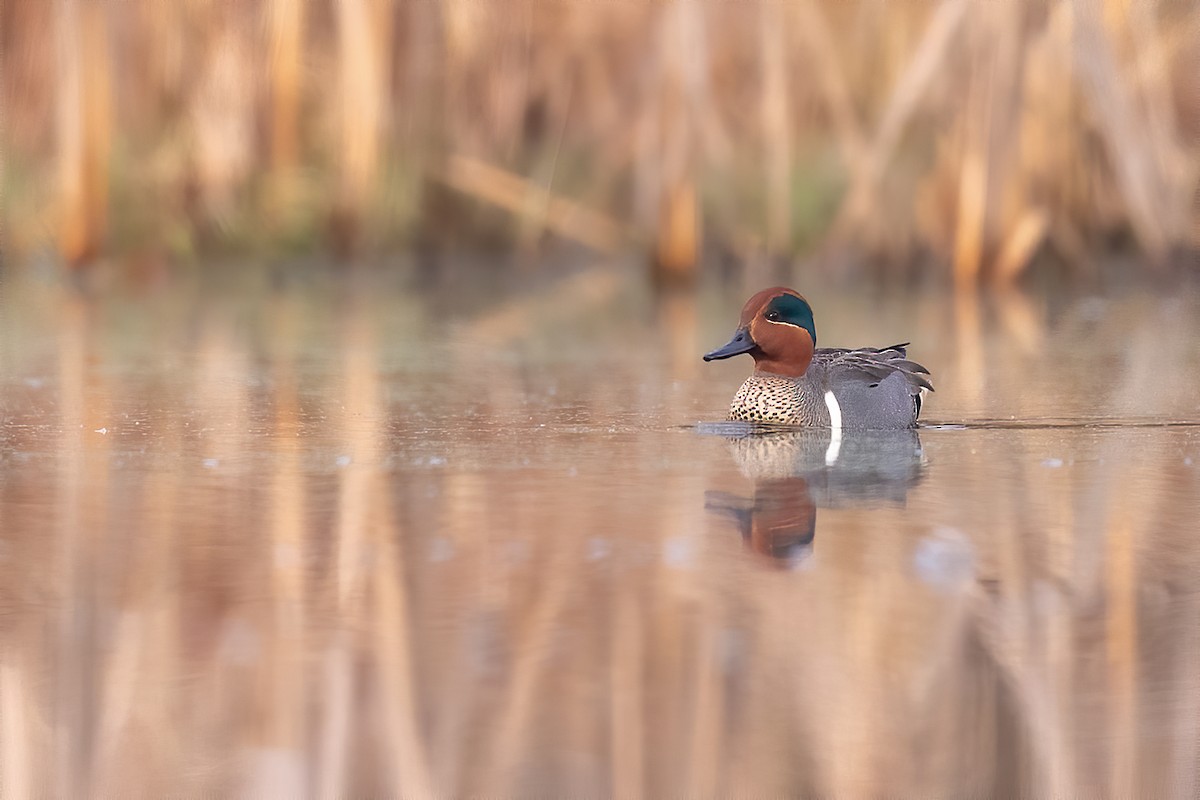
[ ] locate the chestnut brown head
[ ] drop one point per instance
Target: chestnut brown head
(777, 330)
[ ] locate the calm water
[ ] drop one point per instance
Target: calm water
(329, 541)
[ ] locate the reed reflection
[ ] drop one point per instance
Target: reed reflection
(795, 472)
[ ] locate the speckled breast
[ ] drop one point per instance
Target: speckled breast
(776, 399)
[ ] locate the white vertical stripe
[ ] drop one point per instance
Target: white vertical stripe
(835, 428)
(835, 412)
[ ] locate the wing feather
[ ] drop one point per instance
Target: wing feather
(876, 363)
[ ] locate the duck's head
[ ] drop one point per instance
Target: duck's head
(777, 329)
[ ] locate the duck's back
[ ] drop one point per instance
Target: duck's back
(874, 388)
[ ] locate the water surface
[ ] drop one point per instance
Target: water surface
(317, 540)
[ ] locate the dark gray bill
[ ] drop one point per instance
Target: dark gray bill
(740, 343)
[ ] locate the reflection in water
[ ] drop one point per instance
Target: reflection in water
(275, 544)
(779, 521)
(796, 471)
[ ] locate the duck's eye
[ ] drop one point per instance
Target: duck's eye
(772, 316)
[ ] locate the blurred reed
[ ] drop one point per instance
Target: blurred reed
(965, 139)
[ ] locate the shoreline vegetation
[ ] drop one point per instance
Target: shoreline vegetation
(963, 142)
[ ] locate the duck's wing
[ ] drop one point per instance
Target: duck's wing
(875, 363)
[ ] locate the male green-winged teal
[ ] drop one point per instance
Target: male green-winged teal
(794, 383)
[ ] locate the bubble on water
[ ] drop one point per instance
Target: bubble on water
(102, 431)
(945, 559)
(240, 642)
(1093, 309)
(1045, 598)
(731, 650)
(343, 461)
(287, 556)
(677, 552)
(273, 772)
(211, 463)
(1187, 461)
(35, 383)
(598, 549)
(437, 461)
(441, 549)
(1052, 463)
(517, 551)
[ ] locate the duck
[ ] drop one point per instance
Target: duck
(797, 384)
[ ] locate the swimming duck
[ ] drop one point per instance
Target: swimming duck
(794, 383)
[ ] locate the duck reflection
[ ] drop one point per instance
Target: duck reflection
(795, 472)
(779, 521)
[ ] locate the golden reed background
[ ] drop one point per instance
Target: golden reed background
(959, 138)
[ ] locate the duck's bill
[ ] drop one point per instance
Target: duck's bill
(740, 343)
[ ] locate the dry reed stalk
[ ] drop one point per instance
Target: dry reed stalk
(1021, 320)
(859, 207)
(354, 496)
(505, 324)
(285, 723)
(990, 189)
(394, 639)
(970, 216)
(970, 364)
(677, 223)
(337, 690)
(510, 735)
(418, 105)
(96, 538)
(507, 190)
(677, 239)
(286, 23)
(1121, 647)
(1005, 640)
(679, 322)
(120, 676)
(818, 37)
(17, 759)
(1185, 732)
(71, 692)
(1149, 82)
(1014, 624)
(534, 215)
(348, 589)
(222, 117)
(136, 724)
(628, 739)
(705, 744)
(363, 36)
(777, 129)
(235, 663)
(83, 121)
(1018, 248)
(1142, 189)
(455, 694)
